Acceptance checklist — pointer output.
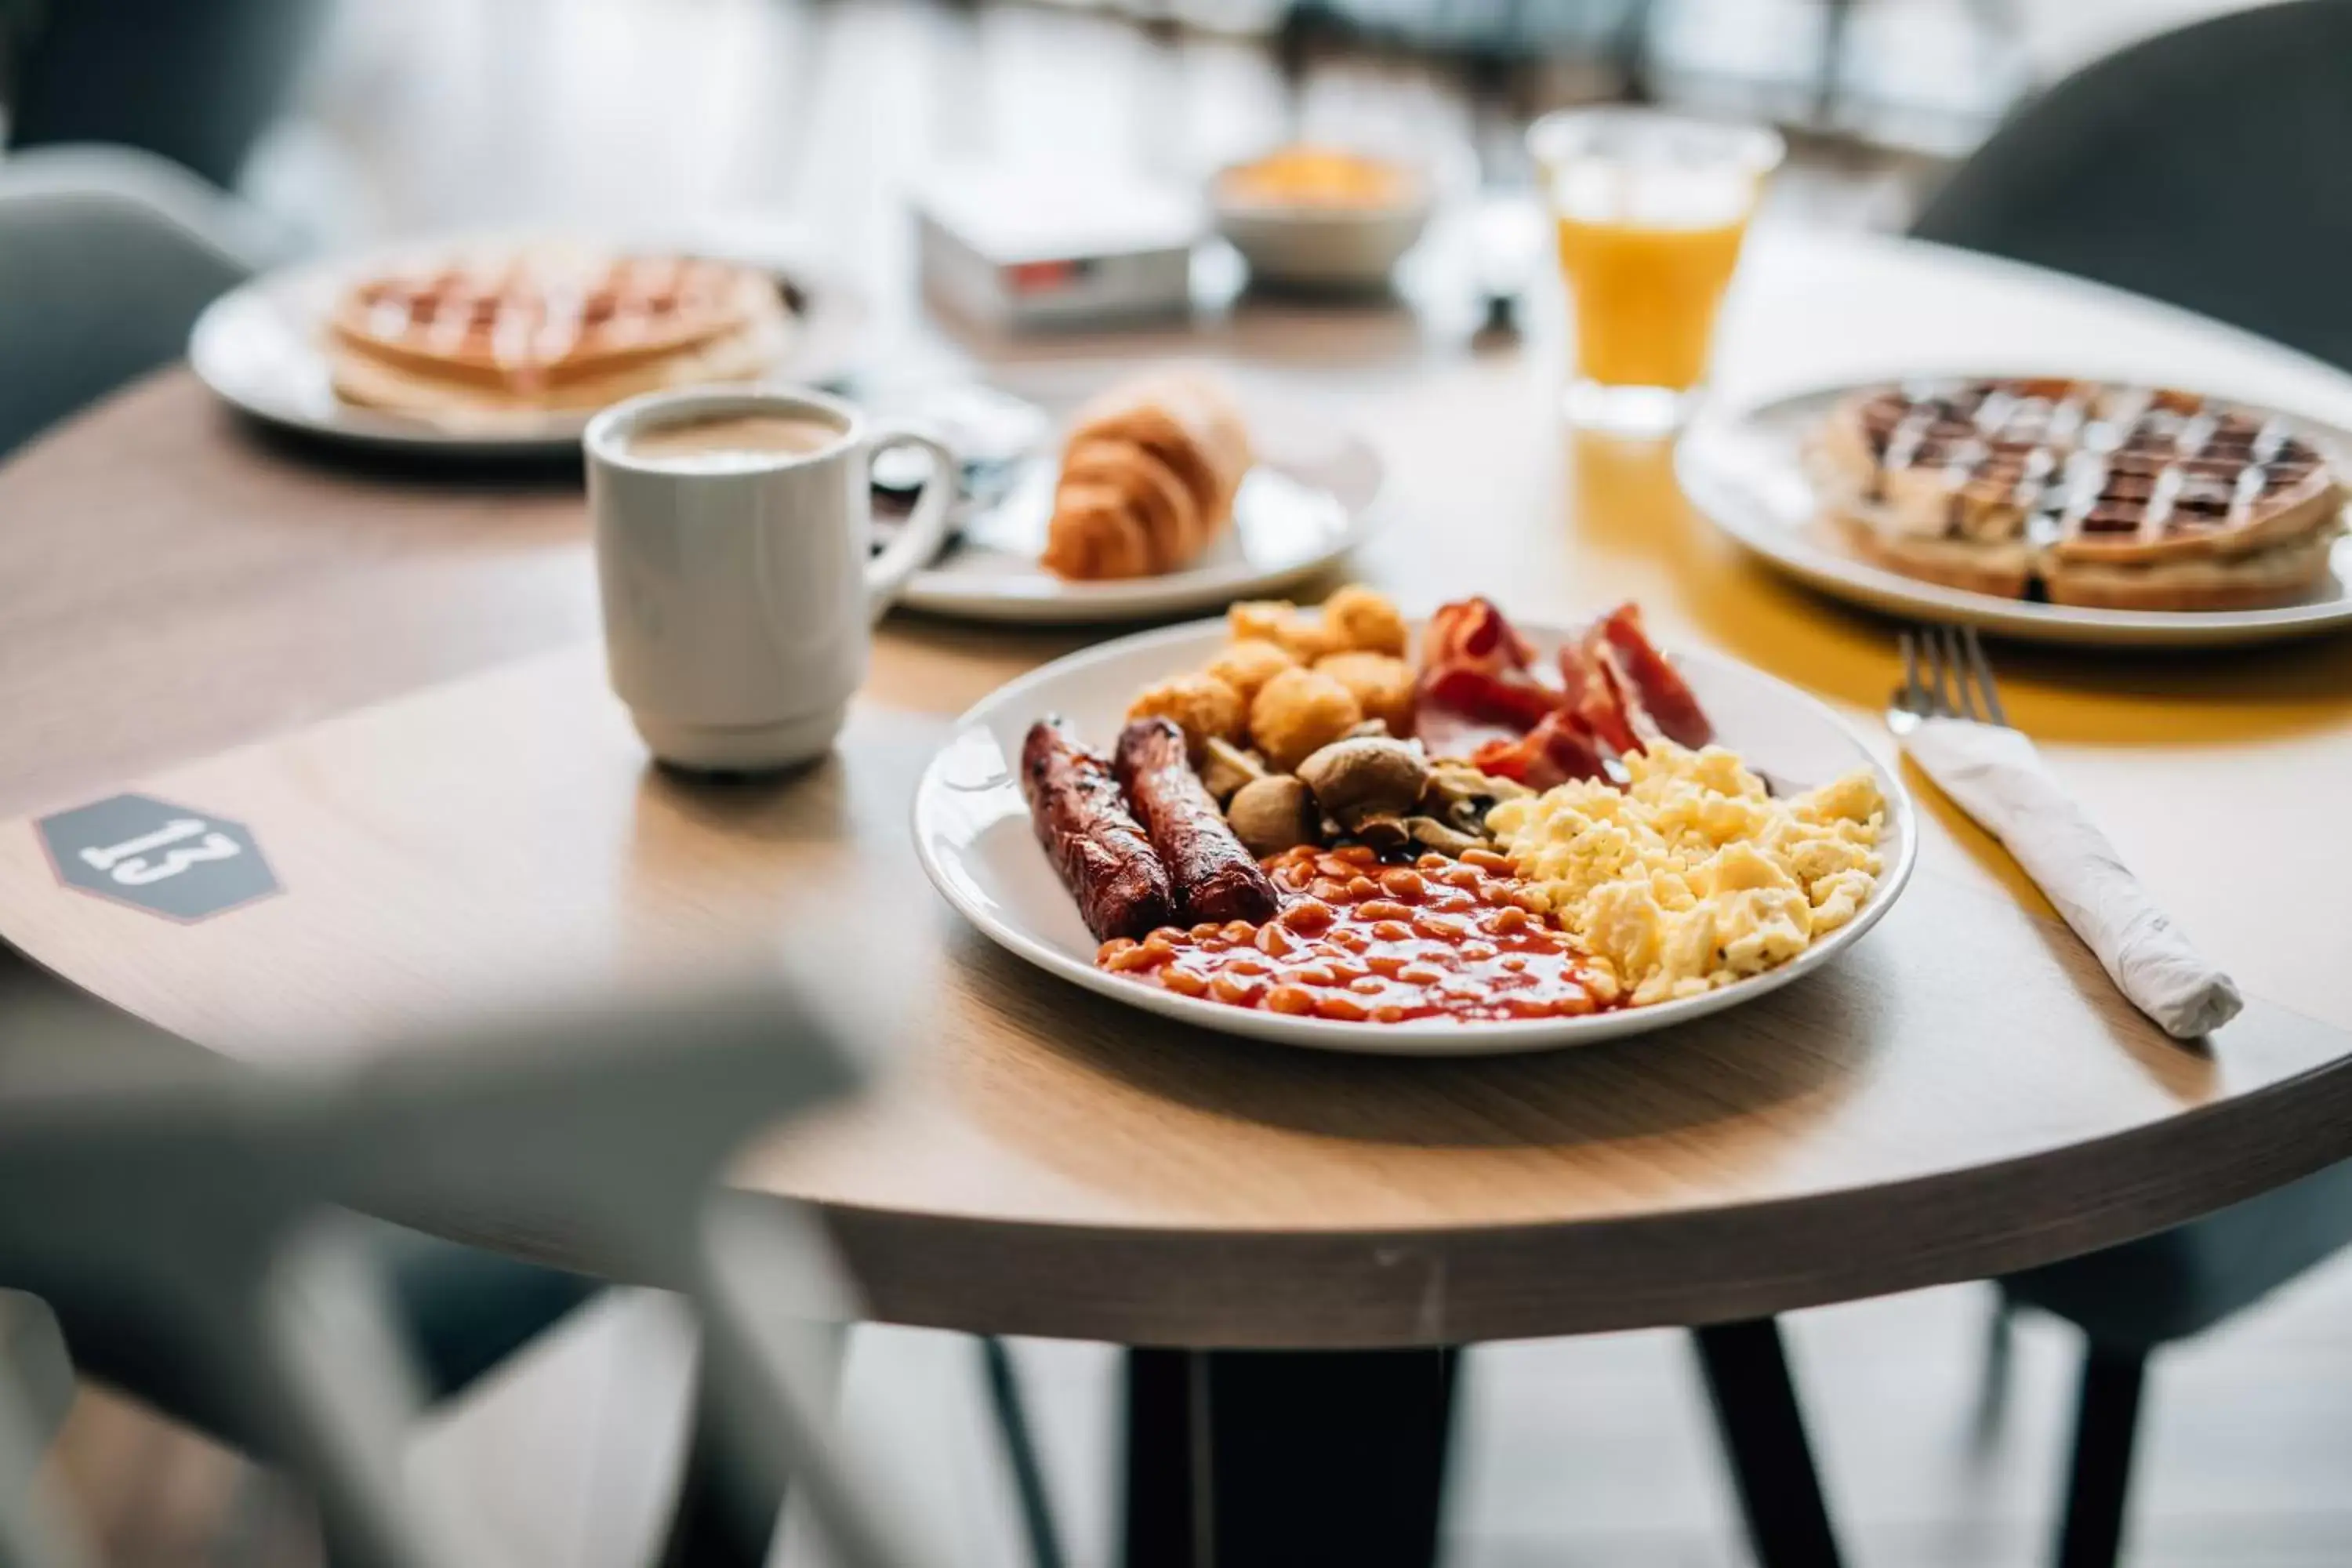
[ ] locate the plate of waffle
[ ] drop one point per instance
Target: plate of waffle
(2052, 508)
(1168, 492)
(510, 344)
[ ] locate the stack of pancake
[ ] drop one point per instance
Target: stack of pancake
(478, 338)
(2086, 492)
(1148, 476)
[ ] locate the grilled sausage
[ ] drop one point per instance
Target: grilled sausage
(1121, 885)
(1215, 877)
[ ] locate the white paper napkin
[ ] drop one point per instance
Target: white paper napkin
(1997, 777)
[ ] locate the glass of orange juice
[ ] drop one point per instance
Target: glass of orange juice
(1650, 210)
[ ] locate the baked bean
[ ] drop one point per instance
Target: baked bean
(1358, 939)
(1184, 981)
(1307, 916)
(1399, 883)
(1295, 1000)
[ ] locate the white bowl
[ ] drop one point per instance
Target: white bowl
(1321, 246)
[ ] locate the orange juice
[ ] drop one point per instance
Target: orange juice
(1646, 296)
(1650, 210)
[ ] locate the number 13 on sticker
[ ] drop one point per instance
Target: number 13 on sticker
(127, 861)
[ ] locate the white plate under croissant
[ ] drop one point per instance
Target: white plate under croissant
(1303, 499)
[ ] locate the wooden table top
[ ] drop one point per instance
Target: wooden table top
(1963, 1094)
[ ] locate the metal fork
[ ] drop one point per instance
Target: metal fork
(1945, 675)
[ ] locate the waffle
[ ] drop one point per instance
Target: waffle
(2105, 494)
(545, 329)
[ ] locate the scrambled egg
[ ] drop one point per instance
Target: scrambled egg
(1692, 876)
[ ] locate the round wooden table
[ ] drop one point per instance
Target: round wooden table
(1964, 1095)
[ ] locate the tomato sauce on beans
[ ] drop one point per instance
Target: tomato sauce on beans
(1362, 941)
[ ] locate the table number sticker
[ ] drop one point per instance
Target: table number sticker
(170, 861)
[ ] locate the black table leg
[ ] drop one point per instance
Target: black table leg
(1764, 1440)
(1276, 1459)
(2106, 1420)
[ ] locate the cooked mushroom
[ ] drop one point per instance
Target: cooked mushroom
(1383, 831)
(1272, 814)
(1459, 796)
(1432, 833)
(1365, 776)
(1226, 767)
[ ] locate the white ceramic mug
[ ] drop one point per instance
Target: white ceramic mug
(740, 601)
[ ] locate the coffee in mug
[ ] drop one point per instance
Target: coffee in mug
(733, 558)
(730, 441)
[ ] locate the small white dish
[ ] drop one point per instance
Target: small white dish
(1306, 503)
(260, 347)
(1318, 245)
(974, 837)
(1745, 468)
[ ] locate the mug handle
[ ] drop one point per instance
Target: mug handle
(926, 528)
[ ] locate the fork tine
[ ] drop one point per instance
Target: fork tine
(1931, 694)
(1915, 695)
(1959, 698)
(1983, 667)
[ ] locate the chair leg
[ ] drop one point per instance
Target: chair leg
(2106, 1419)
(2000, 1356)
(1021, 1452)
(723, 1518)
(1763, 1434)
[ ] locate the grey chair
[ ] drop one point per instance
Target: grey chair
(202, 1198)
(36, 1390)
(193, 83)
(2132, 1301)
(106, 258)
(2194, 168)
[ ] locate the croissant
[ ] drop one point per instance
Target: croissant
(1149, 475)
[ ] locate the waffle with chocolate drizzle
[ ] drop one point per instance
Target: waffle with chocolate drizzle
(2097, 494)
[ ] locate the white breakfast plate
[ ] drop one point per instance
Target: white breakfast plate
(1745, 468)
(1306, 503)
(259, 346)
(972, 834)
